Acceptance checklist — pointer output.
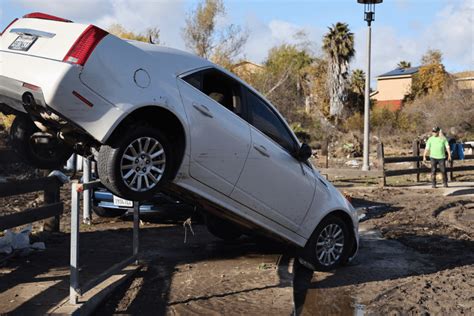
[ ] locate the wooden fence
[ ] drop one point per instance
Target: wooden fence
(417, 167)
(51, 209)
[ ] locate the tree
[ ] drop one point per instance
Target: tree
(404, 64)
(431, 77)
(338, 44)
(201, 35)
(358, 81)
(357, 91)
(151, 35)
(283, 78)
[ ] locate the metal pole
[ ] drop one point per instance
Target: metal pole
(86, 174)
(365, 164)
(74, 268)
(136, 228)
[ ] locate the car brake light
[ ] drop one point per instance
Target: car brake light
(44, 16)
(11, 23)
(85, 45)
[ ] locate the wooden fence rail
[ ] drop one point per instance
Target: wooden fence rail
(52, 208)
(417, 168)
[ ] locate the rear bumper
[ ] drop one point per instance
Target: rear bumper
(57, 81)
(11, 93)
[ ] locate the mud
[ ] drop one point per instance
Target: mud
(416, 257)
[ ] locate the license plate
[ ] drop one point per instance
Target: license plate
(122, 202)
(23, 42)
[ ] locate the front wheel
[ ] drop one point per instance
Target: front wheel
(329, 246)
(136, 165)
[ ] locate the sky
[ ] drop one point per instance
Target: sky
(403, 29)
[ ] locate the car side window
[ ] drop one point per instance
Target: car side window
(219, 87)
(263, 117)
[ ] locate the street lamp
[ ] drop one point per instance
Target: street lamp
(369, 16)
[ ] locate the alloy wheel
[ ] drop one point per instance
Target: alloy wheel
(143, 164)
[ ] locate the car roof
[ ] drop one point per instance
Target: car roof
(173, 60)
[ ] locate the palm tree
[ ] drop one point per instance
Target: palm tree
(404, 64)
(338, 44)
(358, 81)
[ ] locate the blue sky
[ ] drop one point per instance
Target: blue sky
(403, 30)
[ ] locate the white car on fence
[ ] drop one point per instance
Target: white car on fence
(156, 118)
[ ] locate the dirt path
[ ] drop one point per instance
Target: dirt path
(416, 257)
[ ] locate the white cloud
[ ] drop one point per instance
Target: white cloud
(451, 32)
(264, 36)
(137, 16)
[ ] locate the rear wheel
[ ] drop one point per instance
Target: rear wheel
(49, 153)
(136, 165)
(329, 246)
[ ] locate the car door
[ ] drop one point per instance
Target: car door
(219, 137)
(273, 182)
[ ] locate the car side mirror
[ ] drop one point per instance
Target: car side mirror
(304, 153)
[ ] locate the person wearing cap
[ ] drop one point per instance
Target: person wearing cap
(437, 146)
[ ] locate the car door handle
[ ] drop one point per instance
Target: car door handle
(203, 109)
(262, 150)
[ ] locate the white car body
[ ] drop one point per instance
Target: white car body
(227, 162)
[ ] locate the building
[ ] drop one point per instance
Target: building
(394, 85)
(246, 68)
(465, 80)
(392, 88)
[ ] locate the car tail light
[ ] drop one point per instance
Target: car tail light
(44, 16)
(8, 26)
(85, 45)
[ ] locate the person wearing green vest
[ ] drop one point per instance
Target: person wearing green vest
(437, 146)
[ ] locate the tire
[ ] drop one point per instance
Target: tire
(52, 155)
(221, 228)
(108, 212)
(153, 171)
(329, 246)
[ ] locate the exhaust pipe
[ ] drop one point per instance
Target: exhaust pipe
(28, 99)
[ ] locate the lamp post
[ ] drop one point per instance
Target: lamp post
(369, 17)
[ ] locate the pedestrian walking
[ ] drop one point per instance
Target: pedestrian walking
(437, 146)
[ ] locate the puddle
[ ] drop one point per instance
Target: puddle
(311, 300)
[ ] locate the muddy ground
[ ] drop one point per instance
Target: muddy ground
(416, 257)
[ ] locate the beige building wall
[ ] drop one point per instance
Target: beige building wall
(392, 88)
(465, 83)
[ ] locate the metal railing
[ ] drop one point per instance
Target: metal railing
(75, 289)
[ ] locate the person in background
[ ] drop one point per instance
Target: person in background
(437, 146)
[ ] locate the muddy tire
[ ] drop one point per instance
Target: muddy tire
(50, 155)
(136, 164)
(221, 228)
(329, 246)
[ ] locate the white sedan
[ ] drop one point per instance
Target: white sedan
(156, 118)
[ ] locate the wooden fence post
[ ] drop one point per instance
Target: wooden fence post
(325, 151)
(381, 158)
(416, 153)
(451, 164)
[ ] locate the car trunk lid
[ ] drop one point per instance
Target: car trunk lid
(41, 35)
